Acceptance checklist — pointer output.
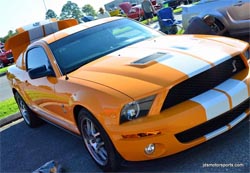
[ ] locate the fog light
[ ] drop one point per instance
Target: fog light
(150, 149)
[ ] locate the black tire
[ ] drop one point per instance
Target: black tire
(28, 115)
(98, 143)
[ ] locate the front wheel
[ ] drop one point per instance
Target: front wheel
(97, 142)
(28, 115)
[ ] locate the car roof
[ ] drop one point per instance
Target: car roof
(74, 29)
(49, 33)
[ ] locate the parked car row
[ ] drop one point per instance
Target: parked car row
(133, 11)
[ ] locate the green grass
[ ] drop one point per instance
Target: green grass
(180, 31)
(177, 10)
(3, 70)
(8, 107)
(155, 19)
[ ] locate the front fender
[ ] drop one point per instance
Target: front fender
(102, 102)
(218, 16)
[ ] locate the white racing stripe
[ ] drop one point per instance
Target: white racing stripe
(184, 63)
(238, 119)
(215, 56)
(35, 33)
(225, 128)
(216, 132)
(51, 28)
(220, 60)
(38, 32)
(237, 90)
(214, 102)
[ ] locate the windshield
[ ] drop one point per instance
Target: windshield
(85, 46)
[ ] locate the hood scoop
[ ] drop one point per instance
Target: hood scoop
(151, 59)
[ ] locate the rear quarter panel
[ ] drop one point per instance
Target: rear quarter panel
(202, 8)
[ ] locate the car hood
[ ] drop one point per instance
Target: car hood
(158, 63)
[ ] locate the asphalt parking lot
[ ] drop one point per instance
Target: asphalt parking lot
(24, 150)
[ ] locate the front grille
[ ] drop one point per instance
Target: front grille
(213, 124)
(203, 82)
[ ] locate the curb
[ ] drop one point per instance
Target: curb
(2, 74)
(10, 119)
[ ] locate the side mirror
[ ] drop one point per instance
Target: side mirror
(39, 72)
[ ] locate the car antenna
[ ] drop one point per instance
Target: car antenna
(66, 75)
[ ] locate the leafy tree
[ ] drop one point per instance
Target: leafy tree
(71, 10)
(88, 10)
(50, 14)
(10, 34)
(2, 40)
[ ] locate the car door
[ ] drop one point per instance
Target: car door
(239, 11)
(39, 91)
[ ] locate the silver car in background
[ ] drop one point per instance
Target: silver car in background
(232, 14)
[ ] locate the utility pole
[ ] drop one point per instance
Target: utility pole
(45, 6)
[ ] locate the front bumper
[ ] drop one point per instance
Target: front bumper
(187, 124)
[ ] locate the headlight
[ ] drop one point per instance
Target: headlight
(131, 110)
(136, 109)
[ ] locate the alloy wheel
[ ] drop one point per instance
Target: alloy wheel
(94, 142)
(23, 109)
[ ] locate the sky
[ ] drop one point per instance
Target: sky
(17, 13)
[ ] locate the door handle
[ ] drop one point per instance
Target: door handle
(239, 4)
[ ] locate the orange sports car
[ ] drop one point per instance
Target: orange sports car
(131, 92)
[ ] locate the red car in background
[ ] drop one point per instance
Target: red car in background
(6, 58)
(135, 11)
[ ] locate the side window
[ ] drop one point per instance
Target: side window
(37, 57)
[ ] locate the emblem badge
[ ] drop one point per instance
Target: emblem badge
(234, 66)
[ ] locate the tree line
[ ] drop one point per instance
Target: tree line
(69, 10)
